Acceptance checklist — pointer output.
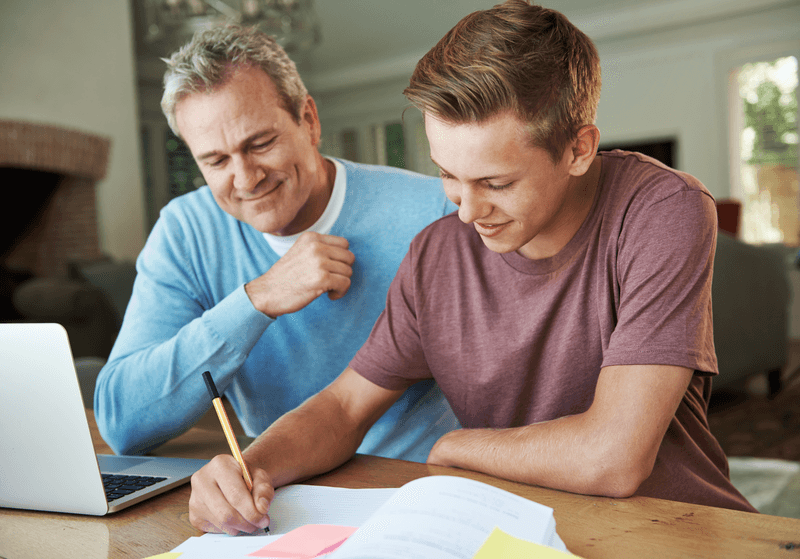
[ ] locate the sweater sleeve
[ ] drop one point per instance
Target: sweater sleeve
(151, 389)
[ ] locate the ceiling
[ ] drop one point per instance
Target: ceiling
(356, 32)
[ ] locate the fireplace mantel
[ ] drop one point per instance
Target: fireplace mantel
(54, 149)
(66, 229)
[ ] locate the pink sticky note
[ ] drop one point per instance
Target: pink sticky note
(306, 542)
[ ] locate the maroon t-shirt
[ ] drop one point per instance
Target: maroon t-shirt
(513, 341)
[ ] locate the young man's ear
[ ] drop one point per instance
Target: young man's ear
(584, 149)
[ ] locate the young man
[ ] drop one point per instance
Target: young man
(565, 311)
(232, 278)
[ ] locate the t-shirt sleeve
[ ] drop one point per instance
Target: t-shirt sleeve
(664, 269)
(393, 356)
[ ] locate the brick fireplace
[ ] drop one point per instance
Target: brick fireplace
(49, 210)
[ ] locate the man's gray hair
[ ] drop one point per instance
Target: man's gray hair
(207, 61)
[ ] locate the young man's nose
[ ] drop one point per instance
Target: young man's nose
(471, 205)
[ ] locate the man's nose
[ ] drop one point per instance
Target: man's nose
(246, 174)
(471, 205)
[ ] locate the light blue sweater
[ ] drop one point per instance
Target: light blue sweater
(189, 313)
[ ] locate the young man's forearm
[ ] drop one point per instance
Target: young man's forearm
(557, 454)
(323, 433)
(609, 450)
(310, 440)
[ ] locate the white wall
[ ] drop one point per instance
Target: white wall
(70, 64)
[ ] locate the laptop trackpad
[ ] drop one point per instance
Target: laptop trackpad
(115, 464)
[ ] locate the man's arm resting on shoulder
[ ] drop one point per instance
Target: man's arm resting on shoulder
(321, 434)
(608, 450)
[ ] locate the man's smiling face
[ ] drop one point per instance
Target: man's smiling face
(260, 164)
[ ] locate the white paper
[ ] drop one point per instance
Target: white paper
(216, 546)
(298, 505)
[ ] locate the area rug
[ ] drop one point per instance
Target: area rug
(772, 486)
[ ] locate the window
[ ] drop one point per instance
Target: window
(182, 171)
(765, 150)
(381, 143)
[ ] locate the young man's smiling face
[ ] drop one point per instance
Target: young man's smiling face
(263, 168)
(511, 191)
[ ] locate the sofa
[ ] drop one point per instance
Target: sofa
(89, 302)
(751, 299)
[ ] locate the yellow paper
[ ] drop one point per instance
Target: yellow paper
(168, 555)
(500, 545)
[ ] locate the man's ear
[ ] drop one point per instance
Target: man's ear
(310, 118)
(584, 149)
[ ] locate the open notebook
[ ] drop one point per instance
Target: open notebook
(47, 460)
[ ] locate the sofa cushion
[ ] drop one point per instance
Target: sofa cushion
(47, 299)
(115, 279)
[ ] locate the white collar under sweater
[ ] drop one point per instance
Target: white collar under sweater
(324, 224)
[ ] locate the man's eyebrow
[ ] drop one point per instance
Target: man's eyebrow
(446, 172)
(250, 139)
(207, 155)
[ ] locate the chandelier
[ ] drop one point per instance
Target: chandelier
(168, 24)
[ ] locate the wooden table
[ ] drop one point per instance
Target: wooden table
(590, 526)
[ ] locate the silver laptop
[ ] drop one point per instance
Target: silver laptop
(47, 460)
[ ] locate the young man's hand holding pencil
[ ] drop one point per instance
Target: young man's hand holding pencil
(229, 435)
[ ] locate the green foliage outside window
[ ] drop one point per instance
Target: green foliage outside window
(182, 171)
(395, 146)
(770, 111)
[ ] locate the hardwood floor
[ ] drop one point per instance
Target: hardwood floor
(748, 423)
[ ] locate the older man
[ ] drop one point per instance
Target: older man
(272, 276)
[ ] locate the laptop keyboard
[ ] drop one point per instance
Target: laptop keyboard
(121, 485)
